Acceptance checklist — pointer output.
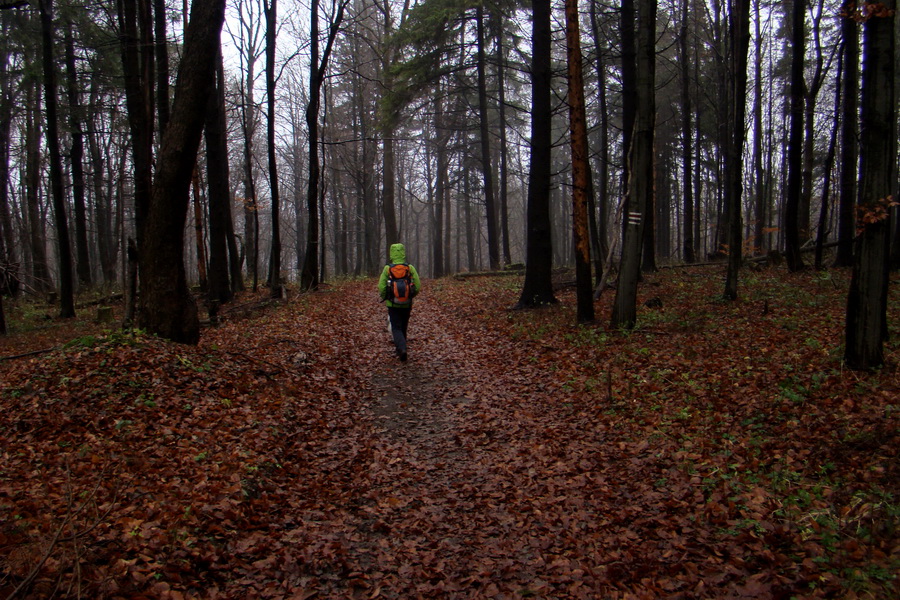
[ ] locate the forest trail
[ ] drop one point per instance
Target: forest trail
(473, 491)
(292, 455)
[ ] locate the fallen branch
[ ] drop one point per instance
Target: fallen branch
(26, 354)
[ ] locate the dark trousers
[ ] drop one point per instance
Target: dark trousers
(399, 322)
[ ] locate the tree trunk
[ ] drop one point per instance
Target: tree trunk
(161, 48)
(82, 262)
(137, 65)
(219, 289)
(270, 9)
(487, 169)
(41, 280)
(849, 138)
(687, 141)
(602, 189)
(821, 230)
(309, 274)
(580, 167)
(57, 191)
(537, 290)
(166, 305)
(7, 240)
(640, 167)
(866, 327)
(440, 193)
(497, 19)
(759, 192)
(739, 43)
(106, 239)
(792, 209)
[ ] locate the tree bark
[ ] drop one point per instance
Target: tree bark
(849, 138)
(76, 159)
(639, 166)
(739, 43)
(270, 9)
(537, 290)
(166, 305)
(219, 289)
(309, 274)
(795, 143)
(57, 191)
(687, 141)
(137, 64)
(866, 326)
(580, 167)
(487, 168)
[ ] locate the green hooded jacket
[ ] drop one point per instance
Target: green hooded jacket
(398, 255)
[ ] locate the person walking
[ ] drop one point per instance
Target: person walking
(398, 284)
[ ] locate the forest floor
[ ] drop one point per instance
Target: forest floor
(719, 450)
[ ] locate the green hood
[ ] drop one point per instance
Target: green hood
(398, 253)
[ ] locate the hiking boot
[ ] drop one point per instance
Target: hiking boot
(403, 357)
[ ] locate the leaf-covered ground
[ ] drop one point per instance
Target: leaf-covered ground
(718, 451)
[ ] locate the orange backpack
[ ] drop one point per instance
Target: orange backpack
(400, 286)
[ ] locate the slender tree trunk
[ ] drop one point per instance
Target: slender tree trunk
(866, 327)
(440, 185)
(57, 191)
(759, 192)
(219, 288)
(537, 290)
(309, 275)
(41, 280)
(603, 172)
(83, 263)
(687, 141)
(739, 43)
(487, 169)
(849, 138)
(821, 229)
(792, 220)
(497, 18)
(580, 167)
(137, 63)
(270, 9)
(640, 167)
(198, 231)
(106, 240)
(7, 239)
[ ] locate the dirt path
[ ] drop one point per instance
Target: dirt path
(463, 500)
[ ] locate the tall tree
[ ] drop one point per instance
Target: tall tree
(487, 169)
(849, 170)
(219, 289)
(57, 191)
(792, 236)
(580, 166)
(687, 140)
(739, 44)
(309, 274)
(8, 253)
(76, 159)
(537, 290)
(270, 9)
(167, 307)
(639, 165)
(866, 326)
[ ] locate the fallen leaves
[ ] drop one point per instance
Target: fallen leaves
(715, 453)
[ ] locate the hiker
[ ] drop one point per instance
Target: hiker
(398, 284)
